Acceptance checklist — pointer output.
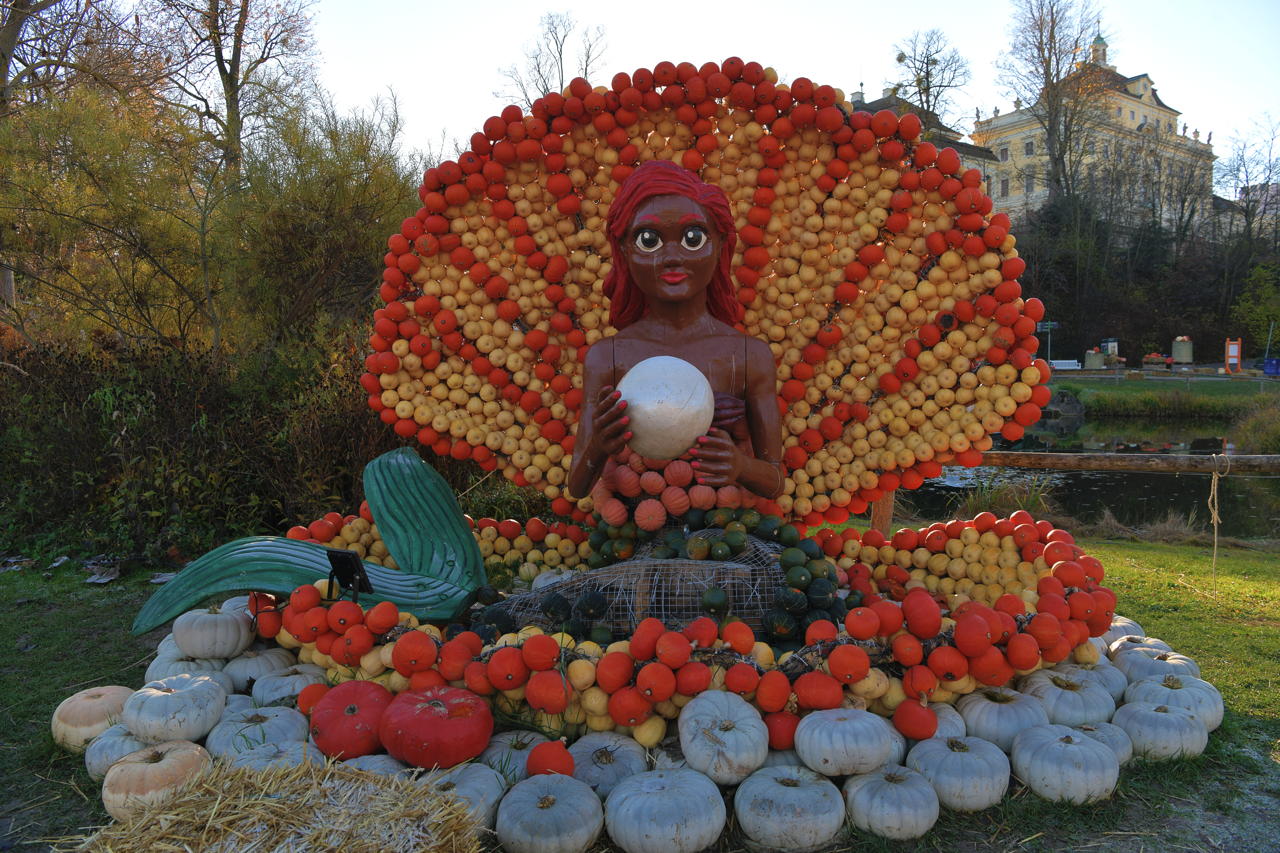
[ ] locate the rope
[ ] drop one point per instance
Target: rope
(1213, 510)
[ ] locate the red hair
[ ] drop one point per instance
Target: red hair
(662, 177)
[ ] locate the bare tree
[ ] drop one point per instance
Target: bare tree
(931, 69)
(232, 61)
(550, 62)
(1047, 68)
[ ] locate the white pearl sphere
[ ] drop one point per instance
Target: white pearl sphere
(670, 404)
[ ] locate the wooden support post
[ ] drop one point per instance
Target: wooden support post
(882, 514)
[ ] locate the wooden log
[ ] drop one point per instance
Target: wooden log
(882, 514)
(1151, 462)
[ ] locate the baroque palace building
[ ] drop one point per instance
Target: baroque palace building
(1136, 163)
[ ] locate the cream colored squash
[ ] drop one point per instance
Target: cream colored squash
(782, 758)
(1069, 701)
(108, 748)
(841, 741)
(1159, 732)
(996, 714)
(1136, 641)
(723, 736)
(603, 759)
(1111, 735)
(1121, 626)
(1102, 673)
(479, 786)
(241, 731)
(83, 716)
(252, 665)
(170, 660)
(276, 755)
(508, 752)
(950, 723)
(380, 764)
(180, 707)
(151, 775)
(968, 773)
(213, 633)
(788, 809)
(1138, 664)
(285, 685)
(1063, 765)
(238, 702)
(549, 813)
(893, 802)
(665, 811)
(1184, 691)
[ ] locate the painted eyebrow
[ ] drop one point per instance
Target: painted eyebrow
(649, 217)
(690, 217)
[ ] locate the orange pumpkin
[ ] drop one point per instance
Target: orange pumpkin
(948, 663)
(907, 650)
(673, 649)
(692, 678)
(781, 726)
(540, 652)
(819, 691)
(413, 652)
(702, 632)
(772, 691)
(741, 678)
(919, 681)
(1023, 652)
(915, 720)
(644, 641)
(550, 757)
(547, 691)
(861, 623)
(739, 636)
(506, 668)
(476, 677)
(820, 630)
(454, 657)
(656, 681)
(848, 663)
(629, 707)
(615, 671)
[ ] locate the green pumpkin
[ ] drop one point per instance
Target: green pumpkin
(781, 625)
(821, 592)
(791, 600)
(556, 607)
(592, 605)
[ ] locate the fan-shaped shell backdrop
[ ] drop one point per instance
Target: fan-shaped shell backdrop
(870, 261)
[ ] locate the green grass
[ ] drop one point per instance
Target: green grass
(60, 635)
(1189, 399)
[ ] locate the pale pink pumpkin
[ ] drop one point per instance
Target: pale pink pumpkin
(614, 512)
(636, 463)
(652, 483)
(702, 497)
(729, 497)
(678, 473)
(676, 500)
(650, 514)
(655, 464)
(628, 481)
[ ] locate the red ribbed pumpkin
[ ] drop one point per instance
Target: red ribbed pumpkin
(436, 727)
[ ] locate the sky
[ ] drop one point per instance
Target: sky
(1213, 61)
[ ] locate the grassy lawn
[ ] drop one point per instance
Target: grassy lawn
(1165, 398)
(61, 634)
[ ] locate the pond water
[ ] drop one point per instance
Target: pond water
(1249, 505)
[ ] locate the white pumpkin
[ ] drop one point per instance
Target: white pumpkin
(669, 402)
(892, 802)
(274, 755)
(843, 741)
(1138, 664)
(665, 811)
(108, 748)
(213, 632)
(1102, 673)
(508, 752)
(236, 604)
(151, 775)
(723, 736)
(1184, 691)
(380, 764)
(1069, 701)
(782, 758)
(1136, 641)
(1121, 626)
(180, 707)
(549, 813)
(997, 714)
(968, 773)
(667, 755)
(238, 702)
(603, 759)
(170, 660)
(950, 723)
(241, 731)
(1111, 735)
(285, 685)
(1162, 731)
(898, 744)
(251, 665)
(1063, 765)
(788, 809)
(83, 716)
(479, 786)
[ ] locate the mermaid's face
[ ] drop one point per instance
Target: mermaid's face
(671, 248)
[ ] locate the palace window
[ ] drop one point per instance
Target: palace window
(1004, 155)
(1029, 183)
(1029, 147)
(1004, 188)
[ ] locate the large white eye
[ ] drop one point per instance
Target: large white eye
(694, 237)
(648, 240)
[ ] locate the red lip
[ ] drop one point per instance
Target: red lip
(674, 277)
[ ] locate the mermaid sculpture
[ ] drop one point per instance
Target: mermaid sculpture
(670, 292)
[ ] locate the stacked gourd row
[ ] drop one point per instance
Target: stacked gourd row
(510, 548)
(871, 262)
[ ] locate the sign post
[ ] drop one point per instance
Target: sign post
(1048, 326)
(1234, 352)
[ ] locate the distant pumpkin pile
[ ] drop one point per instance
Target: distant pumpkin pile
(928, 694)
(869, 260)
